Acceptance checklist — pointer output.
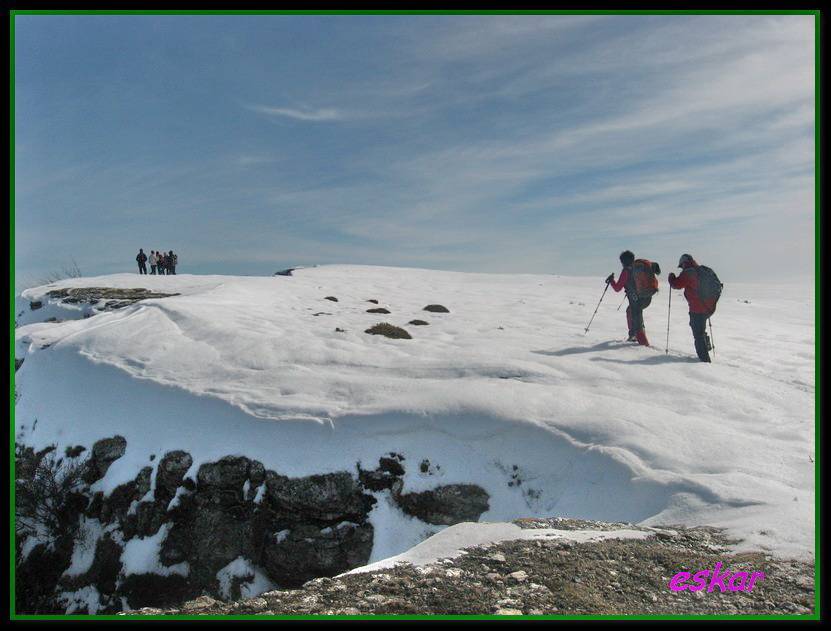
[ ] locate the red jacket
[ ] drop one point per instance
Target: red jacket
(688, 281)
(620, 283)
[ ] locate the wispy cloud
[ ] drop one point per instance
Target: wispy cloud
(314, 115)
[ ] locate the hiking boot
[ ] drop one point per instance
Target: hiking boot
(631, 338)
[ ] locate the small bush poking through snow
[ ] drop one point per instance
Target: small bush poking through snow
(418, 323)
(378, 310)
(332, 298)
(373, 301)
(46, 498)
(437, 309)
(388, 330)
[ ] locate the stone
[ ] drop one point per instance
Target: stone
(329, 497)
(390, 465)
(388, 330)
(446, 505)
(171, 471)
(437, 309)
(104, 453)
(308, 552)
(519, 575)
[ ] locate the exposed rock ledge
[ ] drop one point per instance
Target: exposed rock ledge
(234, 513)
(545, 577)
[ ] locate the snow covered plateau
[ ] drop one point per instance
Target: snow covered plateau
(504, 391)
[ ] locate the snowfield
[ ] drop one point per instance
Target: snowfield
(504, 391)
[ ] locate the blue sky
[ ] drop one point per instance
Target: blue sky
(540, 144)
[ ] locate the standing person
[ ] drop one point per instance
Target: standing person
(175, 261)
(638, 279)
(702, 289)
(172, 262)
(163, 263)
(152, 262)
(141, 259)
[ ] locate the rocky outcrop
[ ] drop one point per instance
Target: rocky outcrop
(105, 298)
(437, 309)
(290, 529)
(545, 577)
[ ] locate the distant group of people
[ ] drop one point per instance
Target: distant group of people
(160, 262)
(702, 289)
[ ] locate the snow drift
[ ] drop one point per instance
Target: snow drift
(504, 391)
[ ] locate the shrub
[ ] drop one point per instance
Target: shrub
(48, 499)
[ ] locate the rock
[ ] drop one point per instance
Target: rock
(376, 480)
(390, 465)
(18, 363)
(329, 497)
(309, 552)
(378, 310)
(388, 330)
(153, 590)
(285, 272)
(229, 474)
(498, 557)
(104, 453)
(373, 301)
(171, 471)
(418, 323)
(520, 575)
(436, 309)
(34, 305)
(74, 452)
(332, 298)
(200, 603)
(446, 505)
(508, 612)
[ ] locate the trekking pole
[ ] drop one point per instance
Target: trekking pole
(712, 339)
(669, 309)
(597, 307)
(621, 302)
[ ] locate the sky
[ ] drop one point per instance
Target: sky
(510, 144)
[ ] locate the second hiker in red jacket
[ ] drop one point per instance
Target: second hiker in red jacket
(634, 312)
(700, 308)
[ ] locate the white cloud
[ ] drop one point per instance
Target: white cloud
(315, 115)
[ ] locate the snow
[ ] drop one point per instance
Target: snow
(83, 554)
(141, 556)
(596, 428)
(85, 600)
(255, 584)
(452, 541)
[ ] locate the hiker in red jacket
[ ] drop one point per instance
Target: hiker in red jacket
(634, 312)
(700, 311)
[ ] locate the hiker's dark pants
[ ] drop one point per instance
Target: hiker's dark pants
(172, 269)
(634, 314)
(152, 270)
(142, 268)
(698, 324)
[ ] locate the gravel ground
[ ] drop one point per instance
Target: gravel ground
(542, 577)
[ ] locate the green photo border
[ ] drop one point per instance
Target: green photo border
(817, 179)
